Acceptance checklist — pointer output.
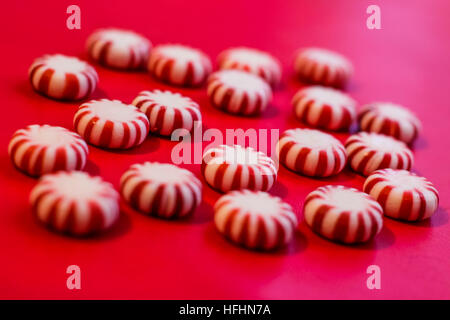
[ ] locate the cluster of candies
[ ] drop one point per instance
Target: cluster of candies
(70, 201)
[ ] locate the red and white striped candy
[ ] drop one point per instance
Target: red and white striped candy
(111, 124)
(179, 65)
(390, 119)
(161, 189)
(168, 111)
(368, 152)
(62, 77)
(238, 92)
(37, 150)
(324, 67)
(75, 203)
(343, 214)
(402, 194)
(311, 152)
(118, 48)
(324, 108)
(234, 167)
(255, 220)
(254, 61)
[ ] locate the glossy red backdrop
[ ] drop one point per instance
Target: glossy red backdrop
(406, 62)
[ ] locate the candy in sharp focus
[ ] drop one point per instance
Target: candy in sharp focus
(234, 167)
(343, 214)
(255, 220)
(75, 203)
(62, 77)
(168, 111)
(402, 194)
(161, 189)
(180, 65)
(389, 119)
(311, 152)
(111, 124)
(368, 152)
(40, 149)
(324, 108)
(238, 92)
(324, 67)
(254, 61)
(118, 48)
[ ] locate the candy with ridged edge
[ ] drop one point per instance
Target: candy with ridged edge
(118, 48)
(343, 214)
(75, 203)
(111, 124)
(255, 220)
(252, 60)
(311, 152)
(62, 77)
(238, 92)
(168, 111)
(322, 66)
(402, 194)
(389, 119)
(368, 152)
(40, 149)
(234, 167)
(161, 189)
(324, 108)
(180, 65)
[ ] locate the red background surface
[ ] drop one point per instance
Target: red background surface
(406, 62)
